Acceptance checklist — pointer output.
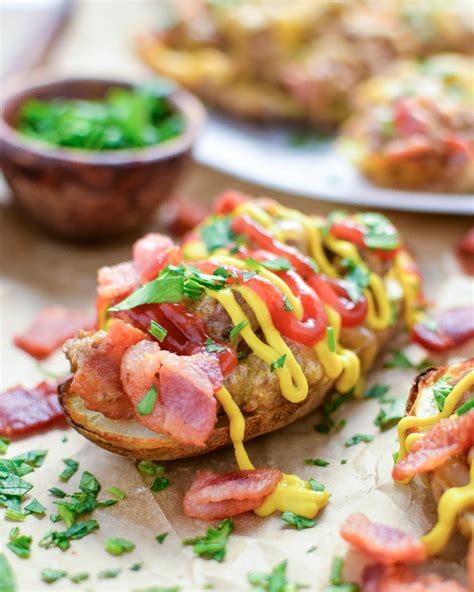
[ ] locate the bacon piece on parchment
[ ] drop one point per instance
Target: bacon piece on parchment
(454, 327)
(25, 410)
(185, 407)
(398, 578)
(50, 329)
(445, 439)
(382, 543)
(97, 380)
(213, 496)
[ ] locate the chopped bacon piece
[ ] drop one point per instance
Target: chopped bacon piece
(454, 327)
(398, 578)
(117, 280)
(383, 543)
(445, 439)
(465, 252)
(182, 215)
(186, 407)
(23, 410)
(228, 200)
(152, 253)
(97, 381)
(214, 496)
(50, 329)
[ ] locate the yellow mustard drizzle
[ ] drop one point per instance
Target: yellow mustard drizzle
(236, 428)
(452, 503)
(410, 283)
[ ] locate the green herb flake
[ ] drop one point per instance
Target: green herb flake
(278, 363)
(160, 538)
(109, 573)
(52, 575)
(160, 484)
(312, 549)
(160, 290)
(299, 521)
(377, 391)
(212, 347)
(136, 567)
(357, 439)
(89, 483)
(287, 304)
(380, 232)
(317, 462)
(336, 580)
(157, 331)
(117, 492)
(61, 539)
(4, 442)
(35, 507)
(19, 544)
(343, 461)
(389, 416)
(275, 581)
(331, 339)
(151, 468)
(57, 492)
(7, 579)
(218, 233)
(466, 407)
(213, 544)
(71, 468)
(79, 577)
(399, 359)
(316, 485)
(356, 279)
(441, 390)
(277, 264)
(146, 405)
(117, 546)
(14, 515)
(237, 329)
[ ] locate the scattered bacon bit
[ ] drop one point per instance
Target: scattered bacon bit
(152, 253)
(445, 439)
(465, 252)
(186, 407)
(50, 329)
(382, 543)
(97, 381)
(228, 200)
(398, 578)
(409, 117)
(213, 496)
(182, 215)
(454, 327)
(117, 280)
(23, 410)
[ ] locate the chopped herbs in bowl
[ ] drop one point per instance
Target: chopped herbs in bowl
(124, 118)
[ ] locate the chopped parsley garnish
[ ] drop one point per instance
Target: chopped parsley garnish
(391, 415)
(14, 515)
(441, 390)
(89, 483)
(357, 279)
(4, 442)
(163, 289)
(218, 233)
(381, 234)
(212, 347)
(312, 548)
(275, 581)
(146, 405)
(248, 275)
(468, 405)
(35, 507)
(151, 468)
(160, 538)
(109, 573)
(117, 492)
(331, 339)
(277, 264)
(357, 439)
(20, 544)
(57, 492)
(300, 138)
(213, 544)
(287, 304)
(278, 363)
(79, 577)
(52, 575)
(61, 539)
(377, 391)
(343, 461)
(117, 546)
(136, 567)
(7, 579)
(299, 521)
(328, 409)
(71, 468)
(399, 359)
(317, 462)
(159, 484)
(237, 329)
(157, 331)
(337, 583)
(316, 485)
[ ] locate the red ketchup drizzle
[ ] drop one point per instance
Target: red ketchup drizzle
(354, 233)
(185, 331)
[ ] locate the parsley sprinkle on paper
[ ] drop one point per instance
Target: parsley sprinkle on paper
(146, 405)
(237, 329)
(61, 539)
(117, 492)
(157, 331)
(19, 544)
(52, 575)
(213, 544)
(357, 439)
(71, 468)
(316, 485)
(160, 538)
(389, 416)
(79, 577)
(4, 442)
(275, 581)
(7, 580)
(160, 484)
(299, 521)
(57, 492)
(377, 391)
(151, 468)
(335, 578)
(109, 573)
(35, 507)
(317, 462)
(117, 546)
(278, 363)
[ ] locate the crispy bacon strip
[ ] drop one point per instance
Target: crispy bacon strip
(23, 411)
(185, 407)
(445, 439)
(454, 327)
(398, 578)
(382, 543)
(213, 496)
(152, 253)
(117, 280)
(97, 380)
(50, 329)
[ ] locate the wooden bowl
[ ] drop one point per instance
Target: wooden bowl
(91, 195)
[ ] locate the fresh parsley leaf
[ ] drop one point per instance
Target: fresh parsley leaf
(7, 579)
(468, 405)
(162, 289)
(117, 492)
(317, 462)
(331, 339)
(312, 548)
(89, 483)
(399, 359)
(299, 521)
(381, 234)
(71, 468)
(277, 264)
(160, 484)
(57, 492)
(337, 583)
(146, 405)
(160, 538)
(218, 233)
(377, 391)
(343, 461)
(14, 515)
(328, 409)
(35, 507)
(441, 390)
(213, 544)
(4, 442)
(109, 573)
(316, 485)
(391, 415)
(212, 347)
(278, 363)
(237, 329)
(79, 577)
(287, 304)
(136, 567)
(55, 538)
(117, 546)
(357, 439)
(356, 279)
(157, 331)
(275, 581)
(19, 544)
(151, 468)
(52, 575)
(33, 458)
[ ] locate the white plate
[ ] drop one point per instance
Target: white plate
(264, 155)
